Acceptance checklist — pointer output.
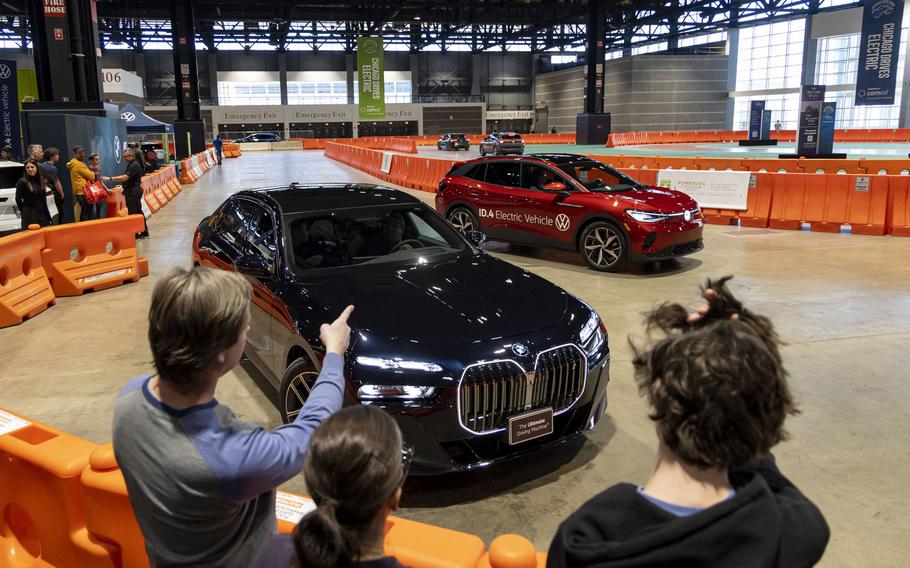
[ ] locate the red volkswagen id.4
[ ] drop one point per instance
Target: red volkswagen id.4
(571, 202)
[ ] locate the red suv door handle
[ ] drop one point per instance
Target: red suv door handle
(474, 193)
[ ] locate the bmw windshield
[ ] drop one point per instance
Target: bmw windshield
(370, 235)
(595, 176)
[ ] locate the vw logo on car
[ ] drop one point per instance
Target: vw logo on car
(562, 222)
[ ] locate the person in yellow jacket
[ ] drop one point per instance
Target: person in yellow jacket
(80, 176)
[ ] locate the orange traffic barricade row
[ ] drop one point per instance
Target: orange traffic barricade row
(898, 217)
(25, 290)
(66, 504)
(758, 205)
(94, 255)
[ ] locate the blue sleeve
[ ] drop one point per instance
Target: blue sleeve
(251, 462)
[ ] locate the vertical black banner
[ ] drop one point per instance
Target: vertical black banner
(755, 115)
(766, 125)
(810, 106)
(9, 107)
(826, 128)
(876, 74)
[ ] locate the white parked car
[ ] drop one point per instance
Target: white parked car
(10, 218)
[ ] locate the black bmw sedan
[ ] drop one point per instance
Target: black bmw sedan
(478, 360)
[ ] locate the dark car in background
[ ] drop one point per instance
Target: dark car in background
(453, 141)
(477, 359)
(502, 143)
(571, 202)
(260, 137)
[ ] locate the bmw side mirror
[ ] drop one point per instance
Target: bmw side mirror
(476, 238)
(252, 265)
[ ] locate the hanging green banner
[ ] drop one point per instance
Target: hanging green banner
(371, 78)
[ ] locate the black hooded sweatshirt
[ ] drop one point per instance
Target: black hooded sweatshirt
(767, 523)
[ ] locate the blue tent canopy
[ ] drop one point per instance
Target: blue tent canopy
(139, 122)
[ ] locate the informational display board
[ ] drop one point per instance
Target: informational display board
(716, 189)
(371, 78)
(386, 166)
(292, 508)
(810, 107)
(9, 107)
(826, 128)
(876, 74)
(755, 117)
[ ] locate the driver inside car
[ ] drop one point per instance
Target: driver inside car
(315, 247)
(389, 237)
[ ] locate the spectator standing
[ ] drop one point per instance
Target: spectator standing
(219, 145)
(202, 482)
(48, 171)
(35, 152)
(777, 126)
(719, 396)
(151, 160)
(355, 469)
(80, 176)
(6, 153)
(31, 197)
(553, 130)
(94, 164)
(132, 187)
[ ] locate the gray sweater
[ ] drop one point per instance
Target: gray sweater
(202, 482)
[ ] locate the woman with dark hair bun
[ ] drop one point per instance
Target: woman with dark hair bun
(354, 470)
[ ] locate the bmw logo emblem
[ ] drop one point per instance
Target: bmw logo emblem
(519, 349)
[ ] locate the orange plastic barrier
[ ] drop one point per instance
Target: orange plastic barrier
(689, 136)
(116, 203)
(827, 202)
(512, 551)
(109, 515)
(771, 164)
(94, 255)
(25, 290)
(898, 217)
(884, 166)
(811, 166)
(66, 504)
(43, 521)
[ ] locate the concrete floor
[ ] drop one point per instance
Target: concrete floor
(841, 302)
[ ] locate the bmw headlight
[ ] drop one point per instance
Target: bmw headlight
(645, 216)
(592, 334)
(398, 364)
(397, 392)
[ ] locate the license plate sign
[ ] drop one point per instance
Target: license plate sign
(529, 426)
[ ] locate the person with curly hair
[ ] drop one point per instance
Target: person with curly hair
(718, 393)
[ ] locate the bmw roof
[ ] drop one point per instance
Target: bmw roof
(302, 198)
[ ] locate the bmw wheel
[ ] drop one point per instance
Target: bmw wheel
(464, 220)
(603, 246)
(295, 388)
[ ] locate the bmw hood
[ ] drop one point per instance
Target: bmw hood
(453, 301)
